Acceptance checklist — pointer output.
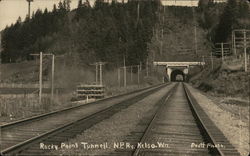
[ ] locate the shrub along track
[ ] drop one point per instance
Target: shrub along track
(179, 127)
(23, 137)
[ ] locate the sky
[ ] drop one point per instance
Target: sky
(10, 10)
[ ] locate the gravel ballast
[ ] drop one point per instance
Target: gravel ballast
(236, 130)
(114, 129)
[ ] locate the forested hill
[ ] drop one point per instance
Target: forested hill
(134, 30)
(104, 32)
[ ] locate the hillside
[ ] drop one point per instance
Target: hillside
(105, 32)
(227, 79)
(136, 32)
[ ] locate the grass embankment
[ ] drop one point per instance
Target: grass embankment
(228, 79)
(14, 107)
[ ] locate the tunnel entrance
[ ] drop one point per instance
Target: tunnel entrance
(177, 75)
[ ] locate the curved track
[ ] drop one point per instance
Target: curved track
(19, 136)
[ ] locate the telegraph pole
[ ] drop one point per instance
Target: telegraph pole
(124, 71)
(96, 73)
(203, 60)
(52, 77)
(161, 46)
(119, 77)
(131, 74)
(242, 43)
(101, 73)
(195, 39)
(98, 65)
(212, 62)
(41, 78)
(138, 11)
(138, 75)
(41, 75)
(147, 67)
(222, 52)
(233, 43)
(29, 1)
(245, 50)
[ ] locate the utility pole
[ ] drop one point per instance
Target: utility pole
(41, 75)
(29, 1)
(101, 73)
(241, 40)
(203, 60)
(161, 46)
(52, 77)
(41, 78)
(138, 12)
(96, 64)
(147, 67)
(195, 39)
(138, 75)
(119, 77)
(233, 43)
(96, 73)
(101, 64)
(124, 70)
(131, 74)
(140, 66)
(222, 52)
(212, 61)
(245, 49)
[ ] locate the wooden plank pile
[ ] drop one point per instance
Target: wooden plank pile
(90, 91)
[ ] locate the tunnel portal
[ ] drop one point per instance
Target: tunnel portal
(177, 75)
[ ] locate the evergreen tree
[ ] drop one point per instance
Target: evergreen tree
(228, 21)
(243, 9)
(79, 4)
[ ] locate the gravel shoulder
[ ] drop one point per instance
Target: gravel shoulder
(234, 127)
(114, 129)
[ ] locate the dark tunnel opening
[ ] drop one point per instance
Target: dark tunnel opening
(177, 75)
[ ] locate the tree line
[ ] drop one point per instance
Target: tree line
(112, 32)
(104, 32)
(221, 19)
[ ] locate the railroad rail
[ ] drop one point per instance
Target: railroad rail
(20, 137)
(178, 127)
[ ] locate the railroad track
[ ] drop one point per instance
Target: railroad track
(24, 137)
(178, 127)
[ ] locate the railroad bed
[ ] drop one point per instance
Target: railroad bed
(179, 127)
(23, 137)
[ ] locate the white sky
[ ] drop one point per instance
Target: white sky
(10, 10)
